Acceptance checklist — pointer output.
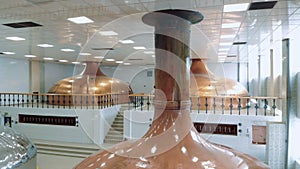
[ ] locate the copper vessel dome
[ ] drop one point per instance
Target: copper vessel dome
(172, 142)
(80, 89)
(207, 86)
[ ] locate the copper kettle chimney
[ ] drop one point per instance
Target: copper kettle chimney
(171, 142)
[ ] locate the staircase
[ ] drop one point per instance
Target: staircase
(115, 133)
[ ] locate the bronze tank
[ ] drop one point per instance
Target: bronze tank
(91, 86)
(171, 142)
(206, 88)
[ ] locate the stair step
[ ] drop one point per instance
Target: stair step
(115, 133)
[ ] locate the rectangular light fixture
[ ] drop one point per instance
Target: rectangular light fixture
(48, 58)
(8, 53)
(227, 36)
(139, 47)
(80, 20)
(126, 41)
(119, 61)
(15, 38)
(231, 25)
(85, 54)
(236, 7)
(225, 44)
(99, 57)
(30, 56)
(110, 60)
(149, 52)
(223, 49)
(67, 50)
(108, 33)
(222, 53)
(63, 61)
(76, 63)
(45, 45)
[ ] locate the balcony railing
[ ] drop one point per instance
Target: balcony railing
(264, 106)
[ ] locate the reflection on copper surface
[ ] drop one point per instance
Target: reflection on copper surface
(91, 84)
(205, 84)
(171, 142)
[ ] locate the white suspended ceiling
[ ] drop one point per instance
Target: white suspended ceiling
(210, 38)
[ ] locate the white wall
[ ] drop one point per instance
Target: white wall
(136, 124)
(93, 124)
(14, 75)
(136, 76)
(55, 72)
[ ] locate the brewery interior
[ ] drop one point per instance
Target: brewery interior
(149, 84)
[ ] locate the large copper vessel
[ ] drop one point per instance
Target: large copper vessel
(208, 90)
(91, 87)
(171, 142)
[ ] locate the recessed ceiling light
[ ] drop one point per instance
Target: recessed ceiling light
(110, 60)
(80, 20)
(139, 47)
(153, 56)
(223, 49)
(99, 57)
(127, 63)
(227, 36)
(149, 52)
(108, 33)
(30, 56)
(76, 63)
(9, 53)
(48, 58)
(225, 44)
(63, 60)
(236, 7)
(15, 38)
(85, 54)
(119, 61)
(222, 53)
(126, 41)
(45, 45)
(231, 25)
(67, 50)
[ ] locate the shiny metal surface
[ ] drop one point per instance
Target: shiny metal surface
(91, 81)
(171, 142)
(205, 84)
(15, 148)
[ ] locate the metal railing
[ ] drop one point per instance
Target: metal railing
(265, 106)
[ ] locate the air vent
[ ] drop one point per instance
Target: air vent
(239, 43)
(22, 24)
(231, 56)
(102, 48)
(262, 5)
